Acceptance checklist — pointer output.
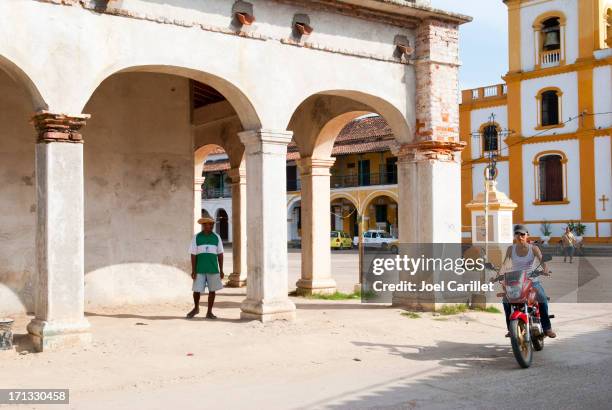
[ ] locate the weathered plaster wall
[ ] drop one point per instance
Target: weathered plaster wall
(257, 72)
(138, 190)
(17, 198)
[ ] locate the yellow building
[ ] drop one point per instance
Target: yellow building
(551, 128)
(363, 183)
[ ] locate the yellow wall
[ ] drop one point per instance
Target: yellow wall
(340, 166)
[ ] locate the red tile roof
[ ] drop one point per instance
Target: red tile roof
(371, 134)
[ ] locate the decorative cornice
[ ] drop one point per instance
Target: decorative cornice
(432, 150)
(315, 166)
(53, 127)
(237, 175)
(363, 13)
(580, 64)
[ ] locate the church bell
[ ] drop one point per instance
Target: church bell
(552, 39)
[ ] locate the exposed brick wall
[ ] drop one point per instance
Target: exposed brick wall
(437, 62)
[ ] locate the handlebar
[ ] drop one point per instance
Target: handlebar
(532, 274)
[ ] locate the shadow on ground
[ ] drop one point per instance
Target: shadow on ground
(491, 378)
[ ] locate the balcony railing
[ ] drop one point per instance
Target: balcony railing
(348, 181)
(493, 91)
(550, 58)
(214, 192)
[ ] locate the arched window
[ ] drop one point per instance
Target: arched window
(549, 36)
(490, 138)
(551, 177)
(549, 107)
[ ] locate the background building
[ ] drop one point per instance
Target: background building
(552, 119)
(363, 182)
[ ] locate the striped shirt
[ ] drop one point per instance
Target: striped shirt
(206, 248)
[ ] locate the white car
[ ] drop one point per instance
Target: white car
(378, 239)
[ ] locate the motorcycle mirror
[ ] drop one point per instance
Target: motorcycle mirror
(489, 265)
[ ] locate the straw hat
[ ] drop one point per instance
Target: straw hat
(206, 220)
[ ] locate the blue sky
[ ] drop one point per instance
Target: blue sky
(483, 43)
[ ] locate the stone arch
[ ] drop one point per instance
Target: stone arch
(18, 75)
(19, 97)
(349, 219)
(319, 119)
(392, 214)
(345, 195)
(241, 103)
(377, 194)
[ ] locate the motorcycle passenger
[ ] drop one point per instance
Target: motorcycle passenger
(522, 254)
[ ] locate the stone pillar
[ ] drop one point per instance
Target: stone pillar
(238, 276)
(198, 181)
(429, 185)
(316, 225)
(267, 290)
(59, 303)
(429, 170)
(429, 188)
(436, 72)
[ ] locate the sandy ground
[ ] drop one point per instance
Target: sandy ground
(336, 355)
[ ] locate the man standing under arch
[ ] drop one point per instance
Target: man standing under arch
(206, 266)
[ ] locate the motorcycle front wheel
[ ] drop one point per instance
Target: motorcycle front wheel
(522, 349)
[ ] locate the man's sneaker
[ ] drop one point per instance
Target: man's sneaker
(550, 333)
(193, 312)
(210, 316)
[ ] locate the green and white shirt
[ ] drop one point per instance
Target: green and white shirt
(206, 248)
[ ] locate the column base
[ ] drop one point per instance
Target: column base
(236, 280)
(478, 301)
(55, 335)
(306, 287)
(267, 311)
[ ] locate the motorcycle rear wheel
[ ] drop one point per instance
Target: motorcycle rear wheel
(523, 350)
(538, 343)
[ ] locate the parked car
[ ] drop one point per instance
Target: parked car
(378, 239)
(340, 240)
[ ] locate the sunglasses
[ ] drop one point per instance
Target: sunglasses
(520, 234)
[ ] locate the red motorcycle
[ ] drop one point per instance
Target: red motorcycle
(526, 333)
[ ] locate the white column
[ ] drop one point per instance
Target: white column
(239, 233)
(429, 207)
(267, 289)
(59, 303)
(316, 225)
(429, 188)
(198, 181)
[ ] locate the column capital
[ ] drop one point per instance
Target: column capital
(53, 127)
(237, 175)
(198, 181)
(446, 151)
(265, 136)
(315, 166)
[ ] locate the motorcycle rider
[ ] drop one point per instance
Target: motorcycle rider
(522, 255)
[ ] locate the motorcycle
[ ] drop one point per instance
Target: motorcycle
(526, 332)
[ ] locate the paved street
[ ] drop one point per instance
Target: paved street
(337, 355)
